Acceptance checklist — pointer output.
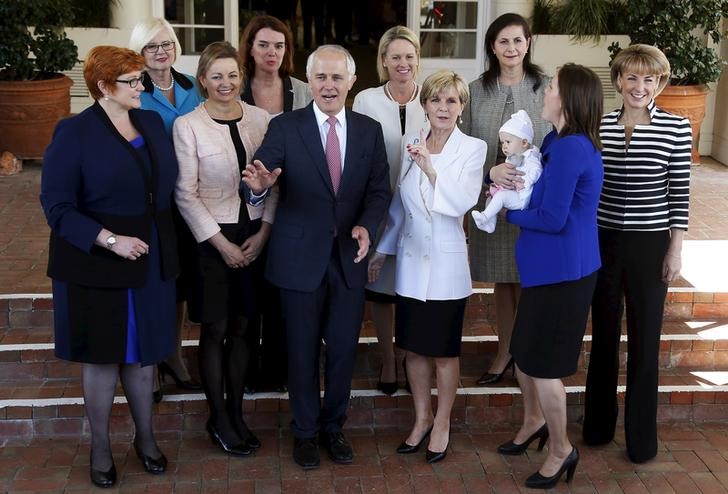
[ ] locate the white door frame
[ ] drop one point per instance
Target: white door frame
(469, 68)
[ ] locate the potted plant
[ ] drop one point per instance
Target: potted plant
(34, 95)
(582, 20)
(681, 29)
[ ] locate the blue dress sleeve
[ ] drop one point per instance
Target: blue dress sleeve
(561, 171)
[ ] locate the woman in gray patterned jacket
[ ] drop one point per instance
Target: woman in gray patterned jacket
(511, 82)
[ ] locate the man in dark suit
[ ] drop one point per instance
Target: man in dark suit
(331, 167)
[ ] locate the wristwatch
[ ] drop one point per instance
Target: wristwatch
(110, 241)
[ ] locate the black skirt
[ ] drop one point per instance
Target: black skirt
(221, 292)
(432, 328)
(549, 327)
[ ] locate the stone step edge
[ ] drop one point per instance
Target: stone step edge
(355, 393)
(367, 340)
(476, 290)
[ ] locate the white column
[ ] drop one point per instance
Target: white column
(126, 13)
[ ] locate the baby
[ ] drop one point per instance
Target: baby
(516, 136)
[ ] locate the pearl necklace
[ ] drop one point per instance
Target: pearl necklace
(509, 97)
(163, 88)
(389, 94)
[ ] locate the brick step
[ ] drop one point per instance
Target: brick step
(690, 344)
(473, 330)
(366, 374)
(57, 409)
(35, 311)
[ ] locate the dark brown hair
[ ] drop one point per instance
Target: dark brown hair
(246, 43)
(492, 66)
(580, 91)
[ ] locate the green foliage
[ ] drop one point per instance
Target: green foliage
(542, 16)
(679, 29)
(583, 20)
(91, 13)
(40, 54)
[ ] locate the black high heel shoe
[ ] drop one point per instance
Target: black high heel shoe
(406, 449)
(385, 387)
(513, 449)
(102, 479)
(164, 369)
(154, 466)
(538, 481)
(489, 378)
(435, 456)
(241, 449)
(247, 435)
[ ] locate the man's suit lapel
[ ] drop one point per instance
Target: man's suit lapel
(308, 129)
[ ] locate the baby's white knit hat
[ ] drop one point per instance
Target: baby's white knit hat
(519, 125)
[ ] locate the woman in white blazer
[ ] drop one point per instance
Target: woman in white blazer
(213, 144)
(439, 182)
(396, 106)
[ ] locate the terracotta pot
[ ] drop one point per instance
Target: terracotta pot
(687, 101)
(29, 111)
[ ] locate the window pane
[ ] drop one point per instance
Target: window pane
(448, 15)
(194, 11)
(194, 40)
(436, 44)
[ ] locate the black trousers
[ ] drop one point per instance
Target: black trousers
(333, 312)
(631, 276)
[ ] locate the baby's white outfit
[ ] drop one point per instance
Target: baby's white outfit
(528, 162)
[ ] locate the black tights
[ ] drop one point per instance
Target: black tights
(99, 382)
(223, 359)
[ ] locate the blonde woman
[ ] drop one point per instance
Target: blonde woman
(213, 144)
(439, 181)
(396, 106)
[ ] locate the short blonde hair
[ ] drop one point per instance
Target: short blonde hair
(643, 60)
(394, 33)
(441, 80)
(144, 31)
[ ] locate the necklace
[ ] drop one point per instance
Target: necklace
(509, 94)
(163, 88)
(389, 95)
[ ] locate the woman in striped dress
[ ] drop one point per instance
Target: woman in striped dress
(643, 214)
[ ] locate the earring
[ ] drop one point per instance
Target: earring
(460, 119)
(106, 97)
(426, 117)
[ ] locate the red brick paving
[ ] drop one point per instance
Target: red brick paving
(691, 459)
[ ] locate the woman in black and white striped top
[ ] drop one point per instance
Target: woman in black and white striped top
(643, 214)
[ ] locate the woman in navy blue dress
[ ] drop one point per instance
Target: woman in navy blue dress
(107, 186)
